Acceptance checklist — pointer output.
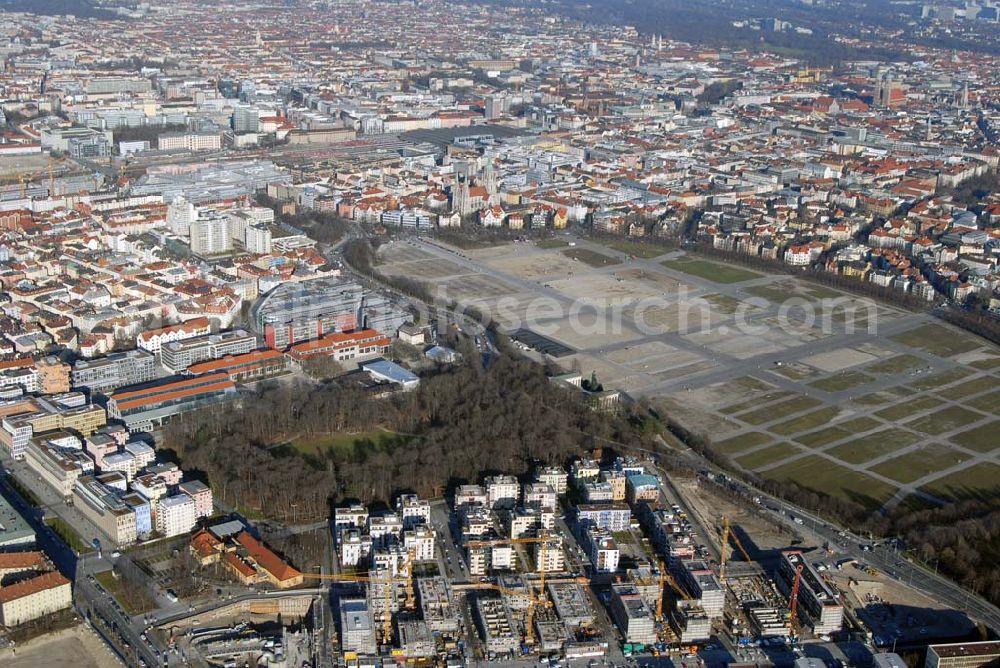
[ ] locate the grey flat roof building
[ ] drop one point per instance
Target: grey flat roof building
(15, 532)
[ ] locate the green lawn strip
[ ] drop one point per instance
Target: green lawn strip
(768, 455)
(984, 438)
(723, 303)
(755, 402)
(988, 403)
(873, 445)
(824, 476)
(805, 422)
(860, 424)
(986, 364)
(749, 384)
(918, 463)
(711, 271)
(944, 420)
(69, 535)
(645, 251)
(743, 442)
(815, 439)
(132, 601)
(775, 292)
(889, 396)
(842, 381)
(778, 410)
(898, 364)
(937, 340)
(907, 408)
(936, 380)
(794, 371)
(590, 257)
(977, 385)
(821, 291)
(981, 481)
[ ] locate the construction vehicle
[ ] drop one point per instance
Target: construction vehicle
(727, 535)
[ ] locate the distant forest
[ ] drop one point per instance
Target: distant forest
(709, 23)
(80, 8)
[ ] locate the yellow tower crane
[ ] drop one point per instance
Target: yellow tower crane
(534, 600)
(387, 582)
(664, 580)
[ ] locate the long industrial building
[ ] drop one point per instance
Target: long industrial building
(177, 356)
(146, 406)
(115, 370)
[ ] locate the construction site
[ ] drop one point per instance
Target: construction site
(624, 562)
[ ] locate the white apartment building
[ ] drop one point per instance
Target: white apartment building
(413, 510)
(152, 487)
(353, 547)
(603, 551)
(502, 491)
(33, 598)
(176, 515)
(209, 233)
(190, 141)
(143, 453)
(419, 541)
(525, 522)
(180, 214)
(492, 557)
(385, 529)
(554, 477)
(201, 494)
(470, 495)
(540, 495)
(549, 556)
(349, 517)
(122, 462)
(153, 340)
(258, 240)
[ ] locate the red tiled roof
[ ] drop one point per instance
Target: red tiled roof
(189, 326)
(21, 560)
(233, 360)
(267, 559)
(49, 580)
